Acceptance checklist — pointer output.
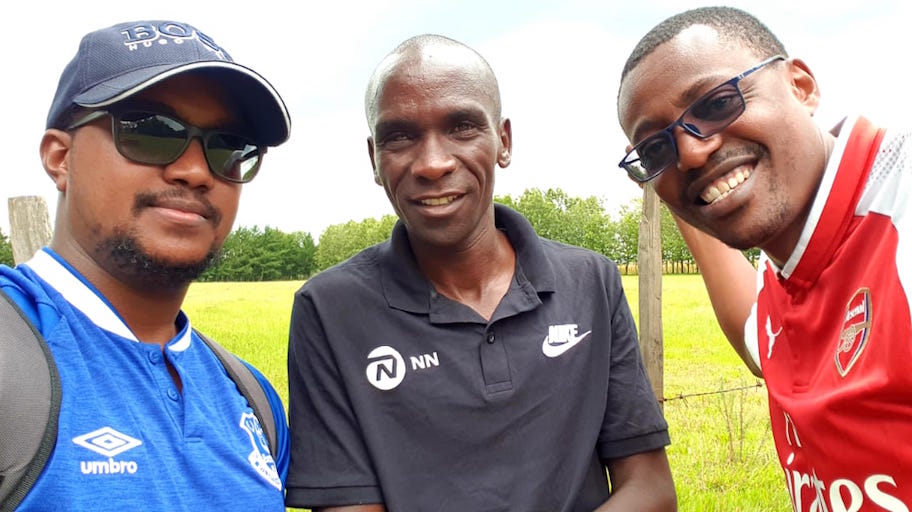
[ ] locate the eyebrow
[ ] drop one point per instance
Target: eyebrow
(683, 102)
(700, 88)
(478, 116)
(385, 128)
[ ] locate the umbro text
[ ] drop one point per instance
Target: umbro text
(108, 467)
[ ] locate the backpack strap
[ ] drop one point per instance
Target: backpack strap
(249, 387)
(30, 400)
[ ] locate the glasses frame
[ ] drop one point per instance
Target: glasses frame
(193, 132)
(668, 132)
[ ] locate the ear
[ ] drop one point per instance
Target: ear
(370, 153)
(55, 150)
(506, 143)
(804, 85)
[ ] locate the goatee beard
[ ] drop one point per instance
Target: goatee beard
(129, 262)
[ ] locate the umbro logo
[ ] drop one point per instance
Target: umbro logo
(562, 338)
(107, 442)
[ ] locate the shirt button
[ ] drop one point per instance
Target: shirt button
(490, 338)
(172, 394)
(154, 357)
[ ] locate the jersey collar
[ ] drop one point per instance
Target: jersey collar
(407, 289)
(83, 296)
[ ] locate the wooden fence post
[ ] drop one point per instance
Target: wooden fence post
(649, 265)
(30, 226)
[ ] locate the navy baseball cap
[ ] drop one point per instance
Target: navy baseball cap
(115, 63)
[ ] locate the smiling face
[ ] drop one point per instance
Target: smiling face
(436, 140)
(750, 185)
(147, 225)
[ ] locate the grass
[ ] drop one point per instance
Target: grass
(722, 455)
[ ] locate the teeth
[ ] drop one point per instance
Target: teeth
(723, 186)
(438, 201)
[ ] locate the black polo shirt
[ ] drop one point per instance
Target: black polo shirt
(399, 395)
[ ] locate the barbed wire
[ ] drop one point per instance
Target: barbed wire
(682, 396)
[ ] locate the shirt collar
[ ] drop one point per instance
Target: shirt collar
(82, 295)
(406, 288)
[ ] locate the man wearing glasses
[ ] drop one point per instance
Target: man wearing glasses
(151, 135)
(465, 364)
(826, 322)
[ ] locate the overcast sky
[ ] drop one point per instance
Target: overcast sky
(558, 64)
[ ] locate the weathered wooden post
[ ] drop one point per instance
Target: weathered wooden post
(30, 226)
(649, 269)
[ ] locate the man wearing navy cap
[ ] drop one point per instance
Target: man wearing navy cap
(151, 134)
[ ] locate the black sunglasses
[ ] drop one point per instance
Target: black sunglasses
(160, 139)
(707, 116)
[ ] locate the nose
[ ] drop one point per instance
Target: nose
(693, 151)
(434, 160)
(191, 168)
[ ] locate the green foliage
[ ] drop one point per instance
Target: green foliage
(6, 250)
(559, 217)
(251, 254)
(627, 235)
(674, 250)
(342, 241)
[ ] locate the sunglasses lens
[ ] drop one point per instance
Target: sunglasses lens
(714, 111)
(157, 139)
(232, 157)
(150, 138)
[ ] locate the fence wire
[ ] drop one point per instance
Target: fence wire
(683, 396)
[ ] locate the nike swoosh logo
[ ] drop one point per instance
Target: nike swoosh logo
(556, 349)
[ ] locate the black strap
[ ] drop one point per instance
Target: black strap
(249, 387)
(29, 398)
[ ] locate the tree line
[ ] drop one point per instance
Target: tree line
(268, 254)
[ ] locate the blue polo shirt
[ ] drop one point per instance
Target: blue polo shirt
(399, 395)
(128, 439)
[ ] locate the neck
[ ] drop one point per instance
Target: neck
(478, 276)
(780, 251)
(149, 311)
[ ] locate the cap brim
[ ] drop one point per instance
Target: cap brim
(261, 103)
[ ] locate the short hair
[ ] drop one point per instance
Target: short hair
(415, 46)
(732, 24)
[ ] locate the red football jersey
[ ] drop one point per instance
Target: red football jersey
(834, 336)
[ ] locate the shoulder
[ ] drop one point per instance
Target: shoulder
(363, 270)
(571, 258)
(275, 401)
(364, 263)
(25, 292)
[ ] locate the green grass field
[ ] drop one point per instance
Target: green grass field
(722, 453)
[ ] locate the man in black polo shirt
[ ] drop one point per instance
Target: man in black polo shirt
(465, 364)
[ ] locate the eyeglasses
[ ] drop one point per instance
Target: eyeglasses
(707, 116)
(160, 139)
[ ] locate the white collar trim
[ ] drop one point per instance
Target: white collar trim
(88, 301)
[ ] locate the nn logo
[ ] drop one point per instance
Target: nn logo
(386, 366)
